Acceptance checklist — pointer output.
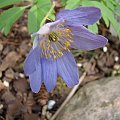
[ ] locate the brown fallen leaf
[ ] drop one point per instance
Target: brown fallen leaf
(2, 87)
(20, 85)
(31, 117)
(9, 73)
(23, 48)
(1, 47)
(90, 67)
(10, 60)
(29, 103)
(90, 78)
(109, 59)
(43, 96)
(14, 109)
(8, 97)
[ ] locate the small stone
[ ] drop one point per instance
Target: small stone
(44, 109)
(21, 75)
(48, 115)
(0, 74)
(105, 49)
(51, 103)
(1, 106)
(116, 58)
(9, 73)
(6, 83)
(116, 66)
(79, 64)
(114, 72)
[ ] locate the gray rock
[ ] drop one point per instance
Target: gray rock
(97, 100)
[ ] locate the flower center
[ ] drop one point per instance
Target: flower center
(56, 42)
(53, 37)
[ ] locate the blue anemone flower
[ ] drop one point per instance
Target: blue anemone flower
(50, 55)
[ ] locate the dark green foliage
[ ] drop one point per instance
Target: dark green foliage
(4, 3)
(109, 9)
(37, 13)
(8, 17)
(39, 9)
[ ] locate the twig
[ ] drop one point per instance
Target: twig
(47, 15)
(28, 6)
(8, 42)
(69, 96)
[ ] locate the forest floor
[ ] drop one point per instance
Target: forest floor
(18, 102)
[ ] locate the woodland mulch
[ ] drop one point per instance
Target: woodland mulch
(18, 102)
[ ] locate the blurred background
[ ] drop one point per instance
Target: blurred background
(96, 98)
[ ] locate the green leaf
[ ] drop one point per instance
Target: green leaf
(117, 11)
(71, 5)
(33, 19)
(37, 13)
(8, 17)
(52, 16)
(106, 20)
(110, 5)
(63, 2)
(44, 6)
(107, 14)
(4, 3)
(111, 17)
(114, 2)
(93, 28)
(89, 3)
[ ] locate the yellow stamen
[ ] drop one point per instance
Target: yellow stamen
(57, 42)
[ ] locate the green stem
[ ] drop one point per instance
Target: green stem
(28, 6)
(47, 15)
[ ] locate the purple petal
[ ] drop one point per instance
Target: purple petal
(86, 40)
(35, 42)
(81, 15)
(49, 70)
(31, 61)
(34, 34)
(36, 79)
(68, 69)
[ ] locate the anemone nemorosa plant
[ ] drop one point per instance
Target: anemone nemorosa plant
(50, 55)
